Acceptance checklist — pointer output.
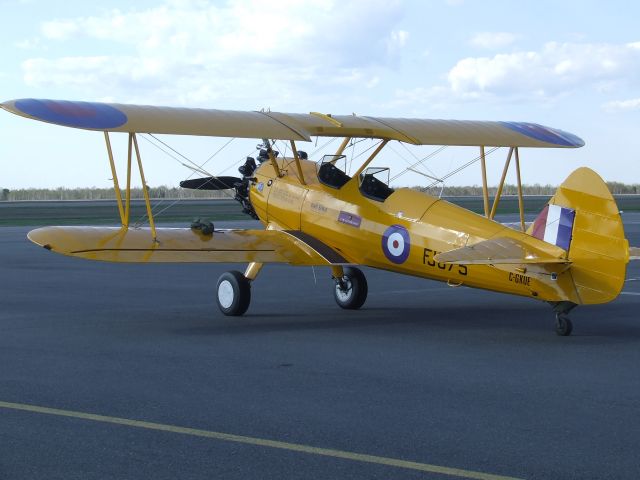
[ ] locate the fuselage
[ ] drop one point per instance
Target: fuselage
(403, 233)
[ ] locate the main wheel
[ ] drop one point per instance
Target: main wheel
(563, 325)
(233, 293)
(350, 291)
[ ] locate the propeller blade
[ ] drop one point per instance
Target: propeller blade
(210, 183)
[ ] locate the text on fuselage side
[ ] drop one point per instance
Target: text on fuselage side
(428, 259)
(519, 279)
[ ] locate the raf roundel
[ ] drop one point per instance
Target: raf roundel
(98, 116)
(396, 244)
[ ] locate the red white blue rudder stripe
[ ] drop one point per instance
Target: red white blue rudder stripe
(555, 225)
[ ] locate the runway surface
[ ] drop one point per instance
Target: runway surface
(126, 371)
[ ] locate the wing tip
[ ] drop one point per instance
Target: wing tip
(86, 115)
(553, 136)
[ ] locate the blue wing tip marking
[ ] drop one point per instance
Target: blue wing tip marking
(545, 134)
(99, 116)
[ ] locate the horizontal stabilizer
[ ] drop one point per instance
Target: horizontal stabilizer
(517, 225)
(496, 251)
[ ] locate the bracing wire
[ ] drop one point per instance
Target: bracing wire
(416, 157)
(195, 168)
(284, 150)
(462, 167)
(323, 146)
(448, 175)
(420, 162)
(217, 152)
(401, 157)
(352, 147)
(176, 152)
(373, 145)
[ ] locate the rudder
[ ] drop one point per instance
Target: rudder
(586, 222)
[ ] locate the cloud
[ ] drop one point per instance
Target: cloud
(28, 44)
(193, 51)
(59, 29)
(102, 71)
(397, 40)
(13, 3)
(622, 105)
(556, 69)
(493, 40)
(546, 75)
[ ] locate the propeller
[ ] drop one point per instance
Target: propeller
(211, 183)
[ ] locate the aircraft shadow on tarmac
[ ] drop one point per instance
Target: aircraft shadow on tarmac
(614, 322)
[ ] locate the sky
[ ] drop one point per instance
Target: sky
(573, 65)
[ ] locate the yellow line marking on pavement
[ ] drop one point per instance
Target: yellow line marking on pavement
(261, 442)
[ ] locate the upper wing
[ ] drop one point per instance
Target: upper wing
(501, 250)
(287, 126)
(175, 245)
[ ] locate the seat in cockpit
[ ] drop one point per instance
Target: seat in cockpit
(375, 189)
(332, 176)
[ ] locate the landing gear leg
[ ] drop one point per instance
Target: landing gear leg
(564, 327)
(350, 289)
(252, 271)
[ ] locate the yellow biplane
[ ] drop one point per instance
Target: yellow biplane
(315, 213)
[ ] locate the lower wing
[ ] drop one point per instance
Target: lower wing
(177, 245)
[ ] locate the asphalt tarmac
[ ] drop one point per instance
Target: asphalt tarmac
(126, 371)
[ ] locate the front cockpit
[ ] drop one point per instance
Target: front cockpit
(331, 171)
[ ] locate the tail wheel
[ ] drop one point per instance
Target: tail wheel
(233, 293)
(563, 325)
(351, 289)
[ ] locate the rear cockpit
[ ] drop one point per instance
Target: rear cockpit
(374, 183)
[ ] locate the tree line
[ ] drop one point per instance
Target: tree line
(94, 193)
(615, 188)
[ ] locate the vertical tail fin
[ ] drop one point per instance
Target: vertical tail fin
(583, 218)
